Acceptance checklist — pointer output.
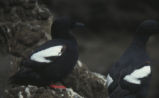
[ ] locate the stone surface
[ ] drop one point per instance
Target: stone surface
(35, 92)
(87, 83)
(81, 83)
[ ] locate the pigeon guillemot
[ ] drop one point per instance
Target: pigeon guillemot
(129, 77)
(53, 60)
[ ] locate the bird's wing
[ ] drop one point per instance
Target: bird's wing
(137, 78)
(51, 52)
(112, 82)
(42, 58)
(113, 77)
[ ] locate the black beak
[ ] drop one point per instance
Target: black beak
(78, 24)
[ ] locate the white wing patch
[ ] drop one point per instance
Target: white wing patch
(136, 75)
(109, 80)
(79, 63)
(49, 52)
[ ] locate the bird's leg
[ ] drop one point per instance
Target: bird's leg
(57, 86)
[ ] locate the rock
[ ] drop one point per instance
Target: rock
(24, 29)
(86, 83)
(81, 83)
(34, 92)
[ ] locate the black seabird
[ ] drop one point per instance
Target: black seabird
(52, 61)
(129, 77)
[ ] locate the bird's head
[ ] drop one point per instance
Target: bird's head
(62, 26)
(148, 27)
(144, 31)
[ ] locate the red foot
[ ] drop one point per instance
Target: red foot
(57, 86)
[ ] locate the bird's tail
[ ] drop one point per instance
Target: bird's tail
(25, 76)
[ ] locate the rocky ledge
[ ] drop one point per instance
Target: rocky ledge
(82, 83)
